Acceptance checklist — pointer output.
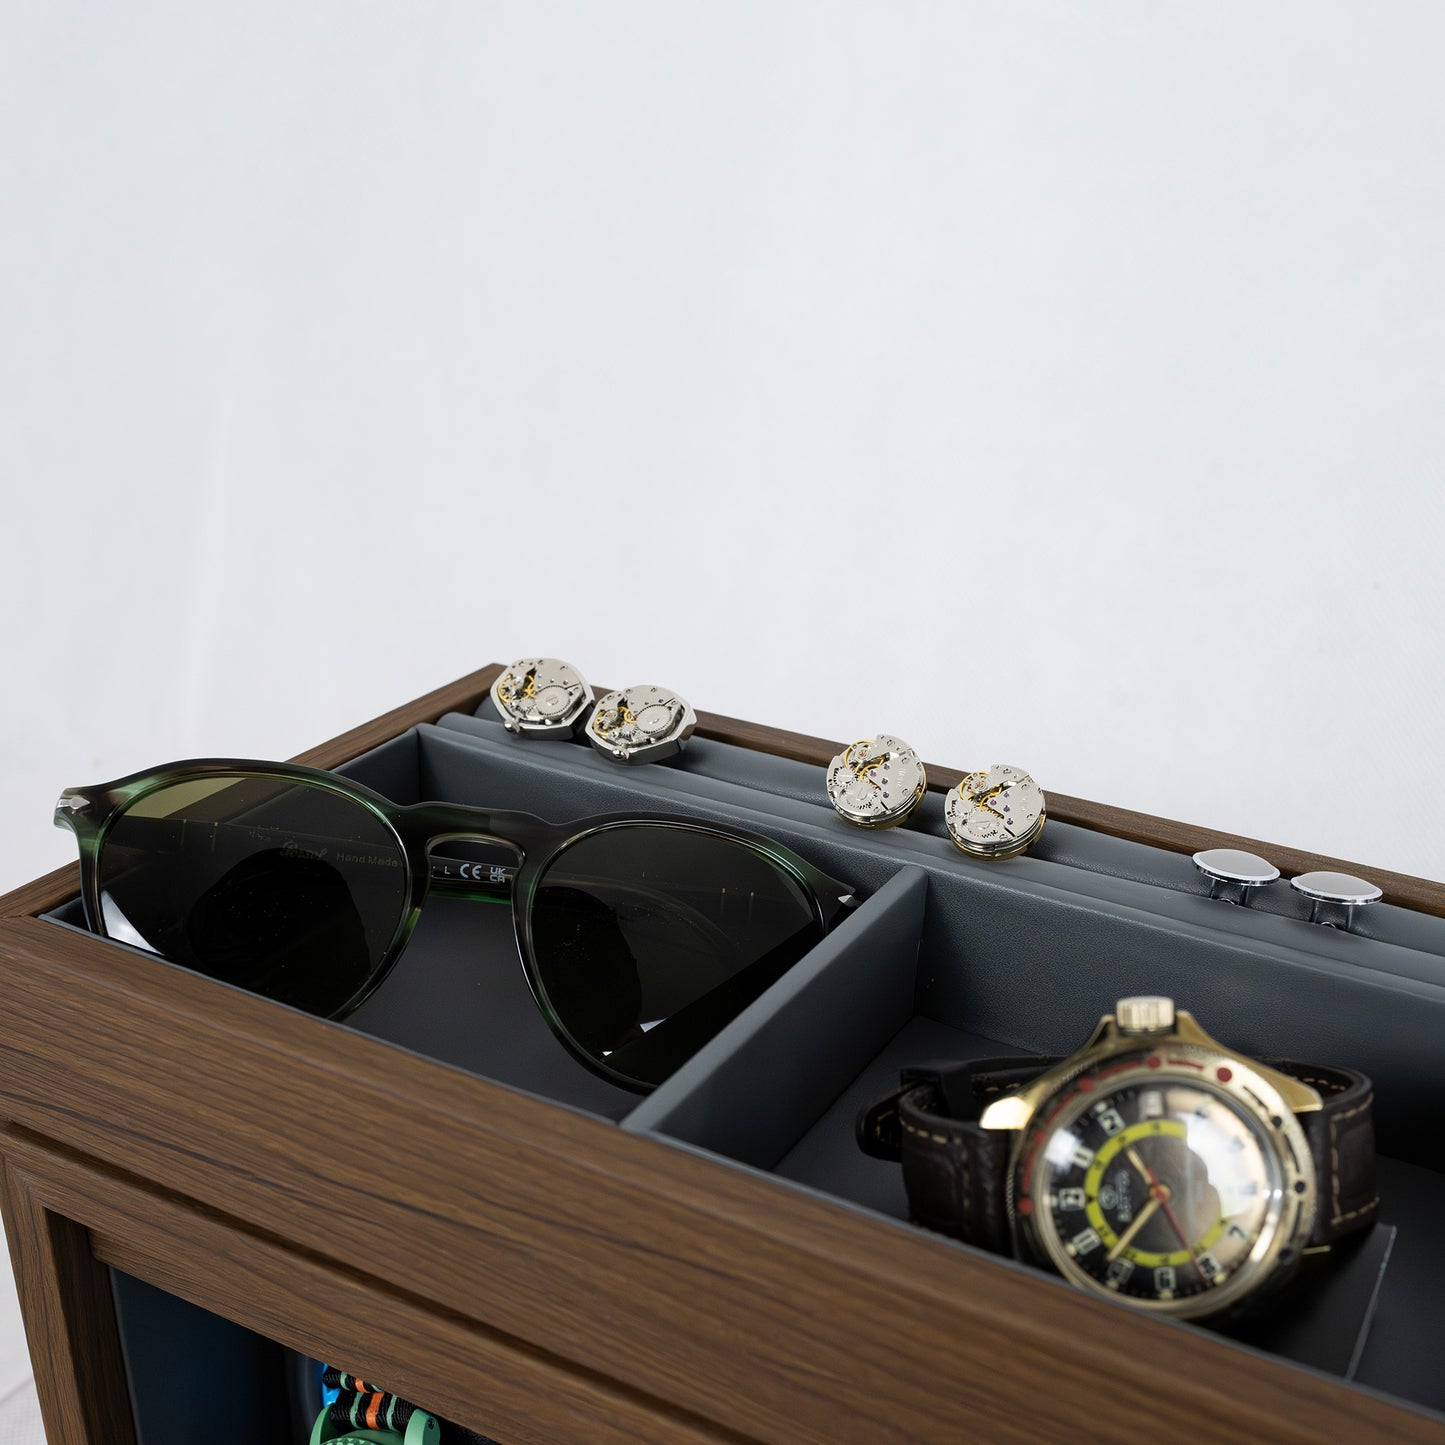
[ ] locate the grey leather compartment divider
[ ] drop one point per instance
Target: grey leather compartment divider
(1029, 952)
(1024, 956)
(715, 1098)
(1082, 851)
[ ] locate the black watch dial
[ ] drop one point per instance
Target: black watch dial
(1177, 1192)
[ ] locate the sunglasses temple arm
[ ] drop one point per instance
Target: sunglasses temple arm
(484, 882)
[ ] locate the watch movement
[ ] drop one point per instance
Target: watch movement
(641, 724)
(995, 813)
(1153, 1166)
(541, 697)
(877, 782)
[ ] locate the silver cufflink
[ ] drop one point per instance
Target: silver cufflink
(642, 724)
(541, 697)
(876, 782)
(1234, 874)
(995, 813)
(1335, 896)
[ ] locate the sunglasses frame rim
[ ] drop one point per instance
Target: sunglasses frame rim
(417, 828)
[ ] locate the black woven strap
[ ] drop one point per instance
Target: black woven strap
(359, 1406)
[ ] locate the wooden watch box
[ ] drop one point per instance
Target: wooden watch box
(538, 1270)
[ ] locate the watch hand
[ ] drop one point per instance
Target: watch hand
(1140, 1220)
(1160, 1191)
(1132, 1155)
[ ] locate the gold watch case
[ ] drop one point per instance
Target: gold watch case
(1147, 1053)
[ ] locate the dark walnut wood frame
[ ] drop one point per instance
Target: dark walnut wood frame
(524, 1269)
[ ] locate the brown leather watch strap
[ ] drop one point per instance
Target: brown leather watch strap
(1341, 1136)
(956, 1173)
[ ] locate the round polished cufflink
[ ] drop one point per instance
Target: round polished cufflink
(541, 697)
(1234, 874)
(1335, 896)
(995, 813)
(641, 724)
(876, 782)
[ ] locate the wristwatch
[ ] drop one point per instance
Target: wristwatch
(1154, 1165)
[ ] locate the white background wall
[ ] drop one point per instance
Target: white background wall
(1052, 383)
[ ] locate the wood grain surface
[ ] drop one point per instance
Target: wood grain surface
(69, 1319)
(728, 1296)
(465, 1373)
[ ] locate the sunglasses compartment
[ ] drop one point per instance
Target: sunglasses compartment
(458, 994)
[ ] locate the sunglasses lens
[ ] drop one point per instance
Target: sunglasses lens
(648, 939)
(279, 886)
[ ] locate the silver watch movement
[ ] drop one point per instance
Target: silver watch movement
(542, 697)
(996, 812)
(876, 782)
(641, 724)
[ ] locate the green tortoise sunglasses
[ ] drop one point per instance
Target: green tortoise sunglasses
(641, 934)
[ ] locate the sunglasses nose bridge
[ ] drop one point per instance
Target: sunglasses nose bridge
(455, 863)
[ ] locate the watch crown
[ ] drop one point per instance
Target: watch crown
(1147, 1014)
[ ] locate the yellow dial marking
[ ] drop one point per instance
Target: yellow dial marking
(1123, 1142)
